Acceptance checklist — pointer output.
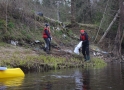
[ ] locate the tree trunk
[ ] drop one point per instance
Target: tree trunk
(109, 27)
(6, 15)
(122, 36)
(119, 36)
(101, 20)
(73, 12)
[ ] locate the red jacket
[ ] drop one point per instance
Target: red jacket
(46, 33)
(84, 37)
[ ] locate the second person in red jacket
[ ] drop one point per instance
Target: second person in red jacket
(47, 38)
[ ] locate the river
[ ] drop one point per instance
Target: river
(110, 77)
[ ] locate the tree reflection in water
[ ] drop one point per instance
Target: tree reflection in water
(122, 71)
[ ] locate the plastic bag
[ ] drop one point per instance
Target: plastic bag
(76, 50)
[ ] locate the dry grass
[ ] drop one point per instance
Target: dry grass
(8, 52)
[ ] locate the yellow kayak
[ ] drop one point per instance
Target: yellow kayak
(11, 72)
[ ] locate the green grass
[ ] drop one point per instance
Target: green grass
(95, 63)
(3, 44)
(29, 61)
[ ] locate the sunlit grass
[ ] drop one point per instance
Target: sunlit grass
(95, 63)
(30, 61)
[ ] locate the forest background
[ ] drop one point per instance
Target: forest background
(19, 20)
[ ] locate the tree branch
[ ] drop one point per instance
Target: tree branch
(109, 26)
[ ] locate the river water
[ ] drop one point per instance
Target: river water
(110, 77)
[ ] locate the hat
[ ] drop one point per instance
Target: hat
(82, 31)
(46, 24)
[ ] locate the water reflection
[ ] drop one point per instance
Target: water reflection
(122, 71)
(86, 79)
(48, 86)
(78, 80)
(107, 78)
(10, 82)
(2, 87)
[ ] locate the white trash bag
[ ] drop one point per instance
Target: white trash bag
(76, 50)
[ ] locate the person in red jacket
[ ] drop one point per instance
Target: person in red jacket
(85, 45)
(47, 38)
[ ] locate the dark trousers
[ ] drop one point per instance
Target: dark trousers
(85, 51)
(48, 45)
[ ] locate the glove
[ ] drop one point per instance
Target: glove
(49, 39)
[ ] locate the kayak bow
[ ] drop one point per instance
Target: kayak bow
(11, 72)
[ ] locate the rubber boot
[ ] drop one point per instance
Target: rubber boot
(47, 51)
(87, 58)
(44, 49)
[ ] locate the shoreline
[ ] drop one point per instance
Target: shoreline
(30, 60)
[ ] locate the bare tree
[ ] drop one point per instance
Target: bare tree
(119, 35)
(101, 20)
(6, 14)
(73, 11)
(107, 30)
